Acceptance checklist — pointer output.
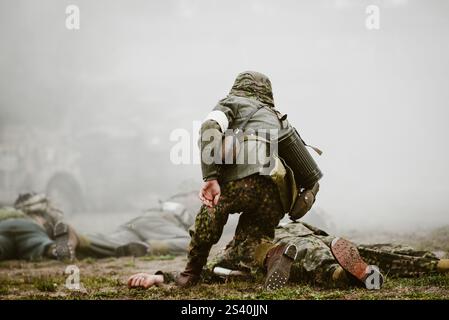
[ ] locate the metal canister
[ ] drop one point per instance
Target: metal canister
(292, 149)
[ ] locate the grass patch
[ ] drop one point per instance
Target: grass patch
(156, 257)
(89, 260)
(114, 288)
(45, 284)
(99, 283)
(130, 264)
(47, 281)
(4, 291)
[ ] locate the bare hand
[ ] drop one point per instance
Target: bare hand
(144, 280)
(210, 193)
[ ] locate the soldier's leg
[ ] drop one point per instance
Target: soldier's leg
(208, 228)
(262, 211)
(403, 265)
(242, 195)
(98, 246)
(122, 242)
(206, 231)
(315, 262)
(31, 240)
(400, 249)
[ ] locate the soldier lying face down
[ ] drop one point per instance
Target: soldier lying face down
(33, 230)
(302, 253)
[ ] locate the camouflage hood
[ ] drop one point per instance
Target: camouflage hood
(255, 85)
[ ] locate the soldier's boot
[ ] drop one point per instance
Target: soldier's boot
(135, 249)
(443, 266)
(278, 262)
(66, 242)
(191, 274)
(347, 255)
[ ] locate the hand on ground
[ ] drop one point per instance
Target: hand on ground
(144, 280)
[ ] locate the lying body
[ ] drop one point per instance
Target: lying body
(301, 253)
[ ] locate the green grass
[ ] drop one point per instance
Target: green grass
(45, 284)
(113, 288)
(4, 291)
(89, 260)
(29, 284)
(156, 257)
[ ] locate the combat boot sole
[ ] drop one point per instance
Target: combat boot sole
(348, 256)
(279, 273)
(63, 250)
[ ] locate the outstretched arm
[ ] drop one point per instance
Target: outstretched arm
(145, 280)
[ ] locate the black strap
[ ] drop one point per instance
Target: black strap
(243, 125)
(280, 117)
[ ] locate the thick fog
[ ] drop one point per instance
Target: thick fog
(96, 106)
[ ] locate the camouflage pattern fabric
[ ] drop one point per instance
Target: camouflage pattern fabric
(255, 85)
(39, 208)
(396, 260)
(257, 197)
(315, 262)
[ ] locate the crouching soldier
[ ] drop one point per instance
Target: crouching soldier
(241, 173)
(33, 230)
(301, 253)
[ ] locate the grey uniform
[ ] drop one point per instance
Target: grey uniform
(164, 230)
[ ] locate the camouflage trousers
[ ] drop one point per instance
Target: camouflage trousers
(315, 262)
(257, 198)
(397, 260)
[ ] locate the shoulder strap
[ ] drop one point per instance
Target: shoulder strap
(280, 117)
(243, 125)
